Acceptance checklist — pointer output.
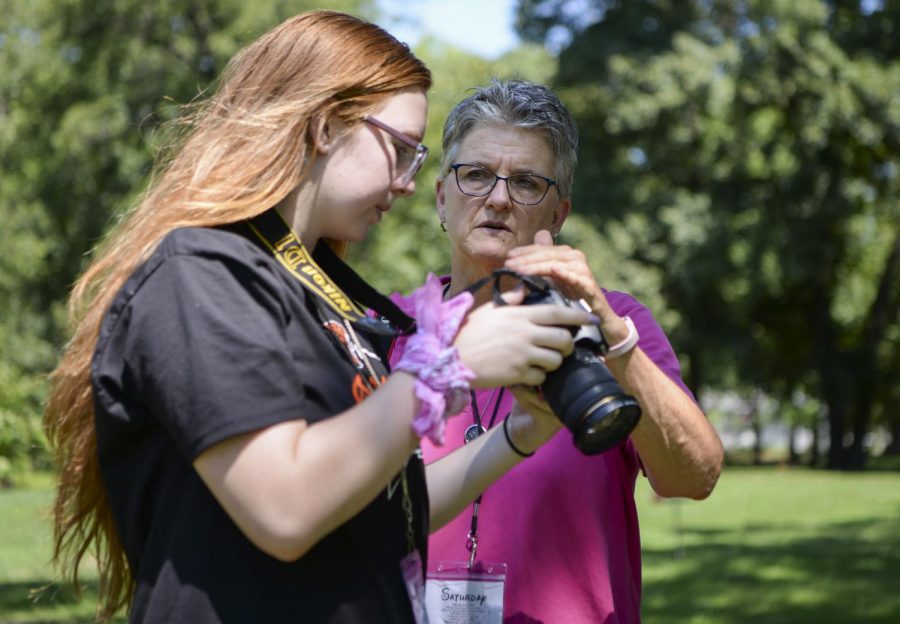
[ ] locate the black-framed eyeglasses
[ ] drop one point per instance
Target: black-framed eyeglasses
(527, 189)
(410, 153)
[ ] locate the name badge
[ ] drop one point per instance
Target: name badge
(458, 594)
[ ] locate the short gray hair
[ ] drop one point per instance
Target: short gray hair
(522, 105)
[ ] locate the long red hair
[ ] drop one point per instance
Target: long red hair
(237, 154)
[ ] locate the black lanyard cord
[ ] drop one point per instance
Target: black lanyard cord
(472, 537)
(476, 413)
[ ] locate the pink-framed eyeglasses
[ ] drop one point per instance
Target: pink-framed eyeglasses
(410, 153)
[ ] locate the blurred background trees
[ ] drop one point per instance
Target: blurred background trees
(738, 172)
(746, 153)
(84, 87)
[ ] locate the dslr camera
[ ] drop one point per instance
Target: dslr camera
(582, 392)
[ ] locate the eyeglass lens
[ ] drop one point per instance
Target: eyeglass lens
(523, 188)
(410, 153)
(410, 162)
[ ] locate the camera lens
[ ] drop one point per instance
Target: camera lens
(607, 424)
(588, 400)
(581, 392)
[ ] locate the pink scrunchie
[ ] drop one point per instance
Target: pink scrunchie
(442, 383)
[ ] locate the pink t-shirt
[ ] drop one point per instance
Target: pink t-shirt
(564, 523)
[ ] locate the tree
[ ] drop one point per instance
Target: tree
(748, 152)
(84, 89)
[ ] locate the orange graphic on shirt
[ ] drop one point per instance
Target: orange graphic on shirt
(362, 385)
(338, 331)
(361, 389)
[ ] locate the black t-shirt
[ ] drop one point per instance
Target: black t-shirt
(211, 338)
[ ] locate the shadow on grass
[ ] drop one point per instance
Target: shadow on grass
(831, 574)
(46, 602)
(839, 573)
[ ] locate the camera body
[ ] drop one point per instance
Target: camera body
(582, 392)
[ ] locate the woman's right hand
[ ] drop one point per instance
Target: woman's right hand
(517, 344)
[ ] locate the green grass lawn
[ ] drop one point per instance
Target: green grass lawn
(771, 545)
(776, 546)
(29, 587)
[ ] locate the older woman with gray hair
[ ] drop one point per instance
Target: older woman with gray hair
(562, 525)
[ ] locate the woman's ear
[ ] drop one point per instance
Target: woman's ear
(439, 199)
(321, 134)
(559, 216)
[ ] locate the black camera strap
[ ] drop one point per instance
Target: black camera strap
(533, 283)
(325, 275)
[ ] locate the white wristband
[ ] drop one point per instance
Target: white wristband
(626, 345)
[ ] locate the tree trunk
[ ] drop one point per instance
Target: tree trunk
(893, 448)
(856, 454)
(793, 456)
(756, 426)
(837, 386)
(757, 444)
(837, 419)
(866, 370)
(814, 454)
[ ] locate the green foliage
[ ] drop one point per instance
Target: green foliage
(739, 173)
(84, 88)
(22, 445)
(750, 151)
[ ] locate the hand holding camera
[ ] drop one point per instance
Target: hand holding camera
(581, 391)
(516, 344)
